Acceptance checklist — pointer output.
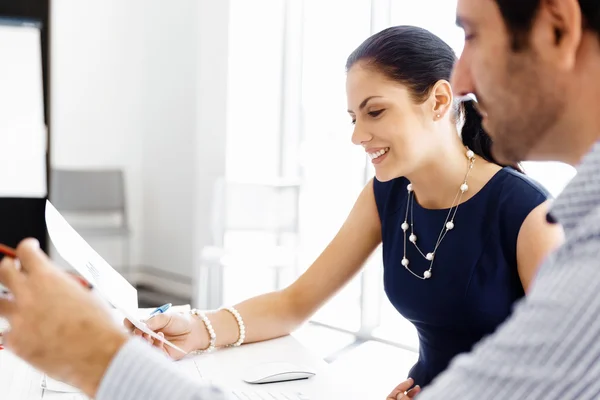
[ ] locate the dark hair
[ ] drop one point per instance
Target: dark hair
(419, 59)
(520, 14)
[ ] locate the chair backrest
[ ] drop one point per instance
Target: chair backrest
(270, 207)
(88, 191)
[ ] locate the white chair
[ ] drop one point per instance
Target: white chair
(94, 203)
(243, 210)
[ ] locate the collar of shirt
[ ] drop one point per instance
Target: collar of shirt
(582, 194)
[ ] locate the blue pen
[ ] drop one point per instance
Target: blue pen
(160, 310)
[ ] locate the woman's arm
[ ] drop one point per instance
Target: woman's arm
(537, 238)
(278, 313)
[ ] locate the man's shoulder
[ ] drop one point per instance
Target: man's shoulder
(577, 259)
(584, 237)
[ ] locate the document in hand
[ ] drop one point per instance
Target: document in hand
(110, 284)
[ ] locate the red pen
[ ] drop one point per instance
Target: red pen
(12, 253)
(8, 251)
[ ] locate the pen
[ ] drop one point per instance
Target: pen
(12, 253)
(160, 310)
(8, 251)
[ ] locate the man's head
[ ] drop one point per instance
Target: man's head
(533, 66)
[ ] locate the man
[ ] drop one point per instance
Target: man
(534, 66)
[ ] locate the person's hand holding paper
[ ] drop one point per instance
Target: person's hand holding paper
(55, 324)
(178, 328)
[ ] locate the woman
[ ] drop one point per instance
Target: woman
(462, 235)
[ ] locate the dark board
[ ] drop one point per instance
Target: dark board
(19, 217)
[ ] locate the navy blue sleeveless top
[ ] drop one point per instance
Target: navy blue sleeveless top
(474, 281)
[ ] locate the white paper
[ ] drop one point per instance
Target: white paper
(22, 127)
(109, 283)
(80, 255)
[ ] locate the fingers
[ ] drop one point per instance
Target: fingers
(158, 321)
(80, 279)
(161, 345)
(128, 325)
(144, 336)
(398, 392)
(10, 275)
(158, 344)
(30, 255)
(412, 393)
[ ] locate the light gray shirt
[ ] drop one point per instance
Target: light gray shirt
(140, 373)
(550, 347)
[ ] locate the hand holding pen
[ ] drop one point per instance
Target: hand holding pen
(12, 253)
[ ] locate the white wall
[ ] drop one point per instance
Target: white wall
(169, 131)
(141, 85)
(212, 60)
(184, 134)
(97, 106)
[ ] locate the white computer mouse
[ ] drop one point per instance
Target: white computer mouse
(276, 372)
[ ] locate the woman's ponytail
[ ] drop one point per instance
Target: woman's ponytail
(475, 137)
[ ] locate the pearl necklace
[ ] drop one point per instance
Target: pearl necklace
(448, 223)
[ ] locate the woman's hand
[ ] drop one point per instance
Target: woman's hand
(183, 330)
(402, 391)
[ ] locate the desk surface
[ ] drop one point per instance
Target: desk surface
(18, 381)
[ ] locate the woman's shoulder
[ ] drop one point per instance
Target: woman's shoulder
(517, 196)
(513, 184)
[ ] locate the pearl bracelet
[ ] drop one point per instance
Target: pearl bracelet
(241, 326)
(209, 328)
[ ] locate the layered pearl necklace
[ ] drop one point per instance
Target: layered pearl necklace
(448, 223)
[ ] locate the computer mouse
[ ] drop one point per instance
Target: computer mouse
(276, 372)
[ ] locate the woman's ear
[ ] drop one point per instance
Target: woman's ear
(441, 99)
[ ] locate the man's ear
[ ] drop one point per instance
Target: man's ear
(557, 32)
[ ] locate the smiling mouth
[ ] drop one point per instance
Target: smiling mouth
(377, 154)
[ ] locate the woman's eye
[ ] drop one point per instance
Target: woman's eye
(375, 114)
(353, 122)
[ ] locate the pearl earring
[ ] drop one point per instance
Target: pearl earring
(438, 116)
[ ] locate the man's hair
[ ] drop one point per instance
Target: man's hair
(520, 14)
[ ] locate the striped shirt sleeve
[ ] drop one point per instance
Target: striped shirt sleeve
(550, 348)
(138, 372)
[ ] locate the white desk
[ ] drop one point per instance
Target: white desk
(18, 381)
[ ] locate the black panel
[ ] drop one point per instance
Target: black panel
(21, 218)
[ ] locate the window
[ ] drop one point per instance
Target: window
(332, 168)
(254, 92)
(253, 124)
(437, 16)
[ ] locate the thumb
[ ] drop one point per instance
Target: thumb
(413, 392)
(31, 257)
(159, 321)
(401, 388)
